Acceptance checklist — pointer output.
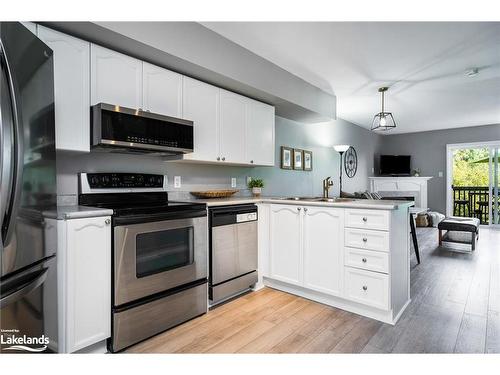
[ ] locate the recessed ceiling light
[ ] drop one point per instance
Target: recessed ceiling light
(472, 72)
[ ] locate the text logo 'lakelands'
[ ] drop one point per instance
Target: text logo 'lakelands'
(10, 340)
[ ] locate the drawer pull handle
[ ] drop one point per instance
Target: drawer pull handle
(365, 288)
(365, 219)
(364, 260)
(365, 239)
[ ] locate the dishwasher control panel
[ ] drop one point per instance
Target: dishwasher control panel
(241, 218)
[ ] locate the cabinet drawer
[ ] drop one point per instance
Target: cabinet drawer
(367, 239)
(366, 287)
(367, 219)
(367, 259)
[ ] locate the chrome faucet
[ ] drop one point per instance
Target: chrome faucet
(327, 184)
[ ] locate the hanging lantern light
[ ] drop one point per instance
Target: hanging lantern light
(383, 121)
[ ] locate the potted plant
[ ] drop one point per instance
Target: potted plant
(256, 184)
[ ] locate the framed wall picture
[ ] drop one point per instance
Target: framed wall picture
(298, 162)
(308, 160)
(286, 157)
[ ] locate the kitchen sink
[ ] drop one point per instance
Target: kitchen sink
(300, 198)
(319, 199)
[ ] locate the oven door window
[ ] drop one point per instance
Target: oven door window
(163, 250)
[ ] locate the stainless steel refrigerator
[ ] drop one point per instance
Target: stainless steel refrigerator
(28, 283)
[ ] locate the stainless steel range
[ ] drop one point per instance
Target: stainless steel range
(160, 253)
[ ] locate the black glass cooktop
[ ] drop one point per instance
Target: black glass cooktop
(133, 204)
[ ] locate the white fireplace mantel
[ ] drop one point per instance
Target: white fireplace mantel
(402, 184)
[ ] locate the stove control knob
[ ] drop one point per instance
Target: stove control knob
(105, 180)
(94, 181)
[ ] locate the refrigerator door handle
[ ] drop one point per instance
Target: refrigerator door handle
(11, 214)
(29, 286)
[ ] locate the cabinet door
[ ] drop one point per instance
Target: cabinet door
(232, 127)
(260, 133)
(115, 78)
(71, 83)
(88, 281)
(162, 90)
(286, 244)
(323, 249)
(201, 105)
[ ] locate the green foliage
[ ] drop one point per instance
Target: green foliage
(467, 173)
(256, 182)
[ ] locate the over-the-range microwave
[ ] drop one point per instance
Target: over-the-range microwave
(120, 129)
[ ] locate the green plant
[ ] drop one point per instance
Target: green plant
(468, 173)
(256, 183)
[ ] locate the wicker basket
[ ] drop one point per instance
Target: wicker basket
(422, 220)
(214, 193)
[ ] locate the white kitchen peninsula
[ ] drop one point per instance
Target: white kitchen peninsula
(351, 255)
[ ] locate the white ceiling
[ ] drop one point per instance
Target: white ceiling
(423, 63)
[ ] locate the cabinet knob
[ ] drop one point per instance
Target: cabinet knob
(364, 260)
(218, 158)
(365, 288)
(365, 239)
(107, 221)
(223, 158)
(305, 209)
(298, 208)
(365, 219)
(251, 161)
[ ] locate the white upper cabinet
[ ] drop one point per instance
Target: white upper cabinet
(323, 249)
(286, 244)
(233, 115)
(162, 90)
(115, 78)
(201, 105)
(260, 133)
(71, 93)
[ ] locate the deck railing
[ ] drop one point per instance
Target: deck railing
(471, 201)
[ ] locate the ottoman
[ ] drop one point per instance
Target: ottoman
(461, 233)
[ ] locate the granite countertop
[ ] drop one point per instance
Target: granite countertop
(76, 212)
(355, 203)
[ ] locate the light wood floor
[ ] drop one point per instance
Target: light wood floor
(455, 308)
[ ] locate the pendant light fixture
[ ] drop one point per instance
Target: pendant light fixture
(383, 121)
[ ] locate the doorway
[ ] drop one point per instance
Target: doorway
(473, 181)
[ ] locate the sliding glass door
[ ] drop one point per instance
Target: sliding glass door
(473, 180)
(495, 186)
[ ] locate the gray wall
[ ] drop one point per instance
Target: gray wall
(317, 138)
(428, 152)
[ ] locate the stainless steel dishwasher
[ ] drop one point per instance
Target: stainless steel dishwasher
(233, 251)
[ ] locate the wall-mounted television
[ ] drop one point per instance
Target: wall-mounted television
(395, 165)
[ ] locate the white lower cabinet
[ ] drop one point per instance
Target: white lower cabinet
(334, 256)
(366, 287)
(306, 247)
(323, 238)
(286, 247)
(84, 282)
